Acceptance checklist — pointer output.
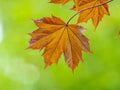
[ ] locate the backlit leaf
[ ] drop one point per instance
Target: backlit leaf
(59, 1)
(55, 37)
(96, 14)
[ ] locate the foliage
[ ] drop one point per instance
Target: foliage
(57, 37)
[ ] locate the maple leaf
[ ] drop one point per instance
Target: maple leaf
(56, 37)
(96, 13)
(59, 1)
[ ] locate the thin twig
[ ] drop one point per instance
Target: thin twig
(87, 9)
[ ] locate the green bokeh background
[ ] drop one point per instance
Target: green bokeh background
(22, 69)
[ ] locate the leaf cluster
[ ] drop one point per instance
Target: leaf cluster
(57, 37)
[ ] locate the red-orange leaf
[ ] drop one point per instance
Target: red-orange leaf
(59, 1)
(56, 38)
(96, 14)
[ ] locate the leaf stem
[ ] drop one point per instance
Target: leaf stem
(87, 9)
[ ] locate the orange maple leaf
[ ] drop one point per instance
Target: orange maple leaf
(96, 13)
(56, 37)
(59, 1)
